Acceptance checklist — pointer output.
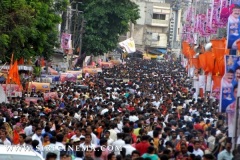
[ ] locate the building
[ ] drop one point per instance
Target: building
(151, 30)
(174, 36)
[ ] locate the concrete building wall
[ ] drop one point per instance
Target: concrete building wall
(151, 29)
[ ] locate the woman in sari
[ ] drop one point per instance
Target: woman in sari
(9, 131)
(16, 133)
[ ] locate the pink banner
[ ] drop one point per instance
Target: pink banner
(50, 95)
(68, 77)
(66, 41)
(31, 99)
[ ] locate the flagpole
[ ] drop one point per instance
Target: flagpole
(3, 66)
(10, 67)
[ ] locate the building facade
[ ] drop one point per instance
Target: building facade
(151, 30)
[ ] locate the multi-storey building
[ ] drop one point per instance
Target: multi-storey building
(151, 30)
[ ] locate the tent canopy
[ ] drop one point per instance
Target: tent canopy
(158, 51)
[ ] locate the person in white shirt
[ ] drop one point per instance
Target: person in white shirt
(118, 144)
(77, 135)
(28, 130)
(128, 147)
(197, 151)
(3, 138)
(113, 133)
(107, 136)
(87, 143)
(133, 117)
(38, 136)
(22, 138)
(89, 130)
(52, 147)
(59, 140)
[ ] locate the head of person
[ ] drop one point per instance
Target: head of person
(151, 150)
(235, 90)
(237, 73)
(184, 148)
(228, 146)
(196, 144)
(229, 76)
(236, 11)
(38, 131)
(135, 154)
(22, 137)
(65, 156)
(51, 156)
(112, 156)
(208, 157)
(88, 138)
(88, 152)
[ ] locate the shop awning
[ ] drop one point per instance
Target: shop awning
(163, 51)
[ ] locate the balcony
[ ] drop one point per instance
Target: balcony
(159, 23)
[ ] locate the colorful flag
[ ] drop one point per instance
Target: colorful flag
(128, 45)
(13, 75)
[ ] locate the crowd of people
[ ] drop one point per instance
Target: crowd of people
(142, 109)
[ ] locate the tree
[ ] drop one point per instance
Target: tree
(28, 28)
(106, 20)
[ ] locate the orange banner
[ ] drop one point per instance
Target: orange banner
(36, 86)
(91, 70)
(216, 86)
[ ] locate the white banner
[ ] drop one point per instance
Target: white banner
(128, 45)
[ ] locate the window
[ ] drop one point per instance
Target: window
(159, 16)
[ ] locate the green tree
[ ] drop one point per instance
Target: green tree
(106, 20)
(28, 28)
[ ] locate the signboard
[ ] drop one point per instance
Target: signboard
(36, 86)
(12, 90)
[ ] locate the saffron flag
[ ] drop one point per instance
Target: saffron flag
(13, 75)
(21, 61)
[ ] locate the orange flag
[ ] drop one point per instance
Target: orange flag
(42, 62)
(13, 76)
(21, 61)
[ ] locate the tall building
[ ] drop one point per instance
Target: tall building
(151, 30)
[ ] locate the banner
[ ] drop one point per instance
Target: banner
(36, 86)
(31, 99)
(92, 70)
(128, 45)
(54, 78)
(229, 83)
(66, 41)
(77, 73)
(50, 95)
(68, 77)
(233, 25)
(12, 90)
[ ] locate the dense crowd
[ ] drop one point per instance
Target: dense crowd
(142, 109)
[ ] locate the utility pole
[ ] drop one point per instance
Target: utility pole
(81, 36)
